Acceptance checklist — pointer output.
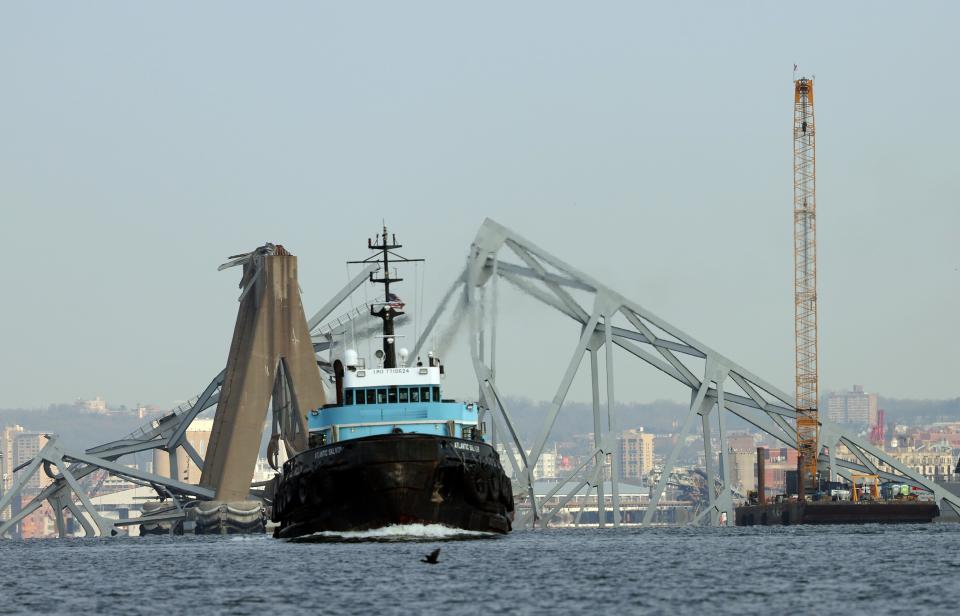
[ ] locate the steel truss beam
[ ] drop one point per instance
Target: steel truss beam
(167, 434)
(718, 386)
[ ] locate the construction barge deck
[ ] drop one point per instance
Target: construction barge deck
(835, 512)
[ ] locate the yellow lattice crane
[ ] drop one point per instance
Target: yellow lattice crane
(805, 282)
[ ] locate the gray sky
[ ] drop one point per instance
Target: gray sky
(646, 144)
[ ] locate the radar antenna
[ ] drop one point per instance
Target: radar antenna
(384, 244)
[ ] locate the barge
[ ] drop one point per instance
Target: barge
(839, 504)
(787, 512)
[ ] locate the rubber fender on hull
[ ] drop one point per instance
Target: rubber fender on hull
(303, 489)
(475, 486)
(495, 483)
(293, 494)
(506, 494)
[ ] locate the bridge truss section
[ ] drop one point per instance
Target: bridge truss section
(718, 387)
(66, 468)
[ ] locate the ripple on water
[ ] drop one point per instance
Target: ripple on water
(879, 569)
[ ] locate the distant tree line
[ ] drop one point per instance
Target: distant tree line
(80, 428)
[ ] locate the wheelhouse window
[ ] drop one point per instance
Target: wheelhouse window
(436, 393)
(392, 395)
(404, 394)
(359, 398)
(414, 394)
(348, 397)
(371, 396)
(382, 395)
(425, 394)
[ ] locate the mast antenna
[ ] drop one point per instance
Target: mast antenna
(391, 307)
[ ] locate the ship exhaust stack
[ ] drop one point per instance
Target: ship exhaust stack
(338, 377)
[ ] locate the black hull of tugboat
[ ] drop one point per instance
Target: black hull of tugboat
(378, 481)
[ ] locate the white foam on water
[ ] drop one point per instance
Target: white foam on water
(402, 532)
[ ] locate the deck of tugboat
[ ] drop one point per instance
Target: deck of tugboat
(359, 376)
(389, 401)
(339, 423)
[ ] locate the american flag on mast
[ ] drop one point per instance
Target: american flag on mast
(394, 302)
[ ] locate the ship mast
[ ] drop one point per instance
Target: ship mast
(392, 307)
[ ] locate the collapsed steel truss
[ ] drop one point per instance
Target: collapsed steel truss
(65, 467)
(718, 386)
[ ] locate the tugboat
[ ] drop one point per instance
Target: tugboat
(392, 450)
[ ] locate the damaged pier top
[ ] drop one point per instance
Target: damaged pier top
(271, 358)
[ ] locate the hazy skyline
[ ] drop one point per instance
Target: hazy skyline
(648, 145)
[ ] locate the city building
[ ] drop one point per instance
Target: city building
(7, 434)
(26, 446)
(263, 471)
(743, 469)
(636, 455)
(547, 465)
(3, 481)
(41, 524)
(742, 441)
(198, 436)
(105, 483)
(777, 463)
(853, 407)
(932, 460)
(97, 405)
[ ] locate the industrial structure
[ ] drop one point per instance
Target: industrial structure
(615, 333)
(271, 360)
(609, 325)
(805, 282)
(272, 332)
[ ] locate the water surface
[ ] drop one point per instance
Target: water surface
(829, 569)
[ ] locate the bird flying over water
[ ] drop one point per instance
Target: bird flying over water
(432, 557)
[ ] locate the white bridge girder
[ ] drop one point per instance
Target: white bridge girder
(718, 386)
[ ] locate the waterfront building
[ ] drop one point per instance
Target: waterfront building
(547, 465)
(742, 441)
(853, 407)
(41, 524)
(198, 436)
(26, 446)
(583, 508)
(3, 480)
(97, 405)
(778, 462)
(636, 455)
(108, 484)
(743, 469)
(7, 434)
(934, 461)
(263, 471)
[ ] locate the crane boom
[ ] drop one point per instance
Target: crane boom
(805, 283)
